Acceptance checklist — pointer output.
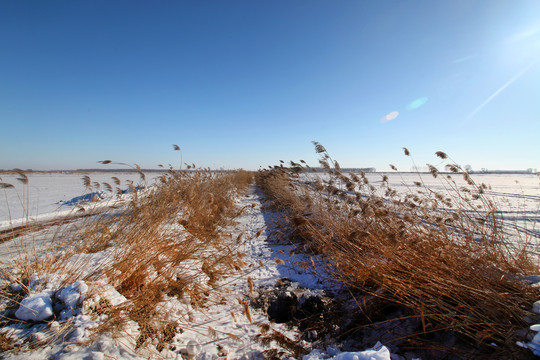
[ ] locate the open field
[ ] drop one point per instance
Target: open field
(205, 265)
(47, 192)
(517, 195)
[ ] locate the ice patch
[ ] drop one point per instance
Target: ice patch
(382, 354)
(378, 352)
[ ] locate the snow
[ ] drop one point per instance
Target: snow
(39, 306)
(517, 197)
(46, 192)
(231, 328)
(49, 195)
(36, 307)
(223, 322)
(534, 344)
(378, 352)
(516, 194)
(72, 297)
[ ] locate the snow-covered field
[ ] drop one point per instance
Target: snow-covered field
(55, 192)
(517, 195)
(223, 329)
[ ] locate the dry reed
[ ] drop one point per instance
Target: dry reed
(445, 258)
(148, 249)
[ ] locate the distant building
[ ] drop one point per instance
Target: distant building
(357, 170)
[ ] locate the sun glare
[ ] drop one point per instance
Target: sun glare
(522, 47)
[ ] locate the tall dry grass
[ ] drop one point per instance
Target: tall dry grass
(443, 258)
(168, 240)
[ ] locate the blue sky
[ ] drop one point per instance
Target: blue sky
(244, 84)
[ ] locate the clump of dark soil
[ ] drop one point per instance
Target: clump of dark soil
(314, 313)
(334, 320)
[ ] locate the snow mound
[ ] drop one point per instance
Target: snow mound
(82, 199)
(36, 307)
(72, 296)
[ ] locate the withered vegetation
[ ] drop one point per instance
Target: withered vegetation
(169, 240)
(443, 259)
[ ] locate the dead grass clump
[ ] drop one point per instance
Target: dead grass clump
(279, 187)
(284, 342)
(444, 256)
(166, 241)
(6, 342)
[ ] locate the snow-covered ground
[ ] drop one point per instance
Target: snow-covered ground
(517, 197)
(515, 194)
(223, 328)
(227, 327)
(48, 195)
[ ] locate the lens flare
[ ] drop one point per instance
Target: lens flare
(496, 93)
(391, 116)
(524, 35)
(417, 103)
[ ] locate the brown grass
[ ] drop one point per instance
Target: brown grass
(156, 241)
(443, 257)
